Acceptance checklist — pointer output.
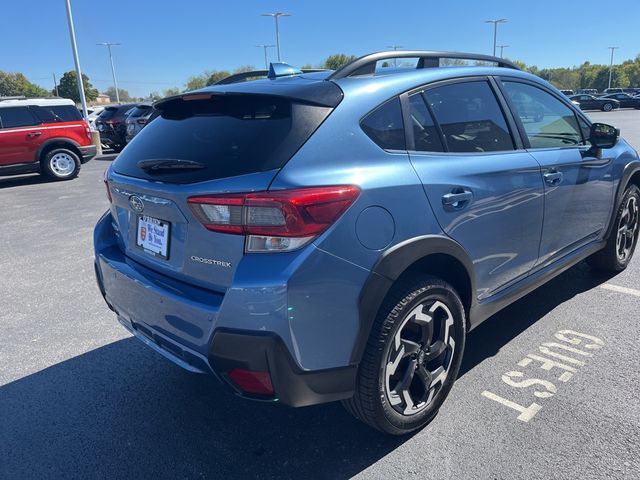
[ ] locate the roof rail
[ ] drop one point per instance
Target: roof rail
(427, 59)
(243, 76)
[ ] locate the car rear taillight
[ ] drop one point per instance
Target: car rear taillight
(276, 221)
(105, 179)
(255, 383)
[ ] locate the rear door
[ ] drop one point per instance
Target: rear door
(578, 186)
(20, 135)
(62, 121)
(485, 191)
(218, 144)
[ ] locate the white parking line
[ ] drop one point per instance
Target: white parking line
(619, 289)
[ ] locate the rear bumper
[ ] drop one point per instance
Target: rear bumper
(185, 324)
(87, 152)
(231, 349)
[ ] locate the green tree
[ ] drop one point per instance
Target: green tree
(68, 87)
(334, 62)
(197, 81)
(216, 76)
(244, 68)
(14, 84)
(124, 95)
(169, 92)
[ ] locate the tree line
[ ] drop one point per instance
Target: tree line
(586, 75)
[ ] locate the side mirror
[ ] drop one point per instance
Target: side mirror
(602, 135)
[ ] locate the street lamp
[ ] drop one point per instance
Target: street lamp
(276, 16)
(76, 59)
(611, 65)
(495, 30)
(113, 70)
(266, 63)
(395, 47)
(502, 47)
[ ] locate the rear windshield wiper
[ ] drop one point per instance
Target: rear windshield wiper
(168, 165)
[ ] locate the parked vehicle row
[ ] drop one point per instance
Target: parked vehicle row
(248, 237)
(118, 124)
(44, 135)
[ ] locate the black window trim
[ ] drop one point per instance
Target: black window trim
(499, 96)
(562, 98)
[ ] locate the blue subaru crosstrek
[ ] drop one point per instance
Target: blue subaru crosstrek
(312, 237)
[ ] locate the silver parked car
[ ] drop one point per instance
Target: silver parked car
(137, 119)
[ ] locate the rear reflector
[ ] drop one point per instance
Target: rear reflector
(256, 383)
(274, 221)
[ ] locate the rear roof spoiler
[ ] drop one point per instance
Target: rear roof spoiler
(366, 65)
(276, 70)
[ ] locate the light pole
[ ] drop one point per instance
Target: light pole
(76, 60)
(395, 47)
(495, 30)
(266, 63)
(613, 49)
(502, 47)
(113, 70)
(276, 16)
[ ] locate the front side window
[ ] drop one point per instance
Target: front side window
(385, 126)
(547, 121)
(470, 117)
(13, 117)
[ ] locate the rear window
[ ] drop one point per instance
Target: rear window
(229, 134)
(140, 111)
(57, 113)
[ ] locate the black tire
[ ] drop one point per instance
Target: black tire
(617, 253)
(61, 164)
(607, 107)
(412, 309)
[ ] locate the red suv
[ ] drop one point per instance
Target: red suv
(47, 136)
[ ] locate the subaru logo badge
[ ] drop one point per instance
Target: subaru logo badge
(136, 203)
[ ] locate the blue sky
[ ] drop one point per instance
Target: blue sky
(166, 41)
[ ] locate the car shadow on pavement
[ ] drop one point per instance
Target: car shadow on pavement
(121, 411)
(22, 180)
(486, 340)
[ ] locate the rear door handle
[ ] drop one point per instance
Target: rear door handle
(34, 134)
(553, 177)
(457, 199)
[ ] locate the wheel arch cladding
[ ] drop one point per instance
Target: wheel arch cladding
(54, 143)
(430, 254)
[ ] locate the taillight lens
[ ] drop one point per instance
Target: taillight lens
(255, 383)
(274, 221)
(105, 179)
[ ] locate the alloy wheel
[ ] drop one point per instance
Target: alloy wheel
(627, 229)
(420, 357)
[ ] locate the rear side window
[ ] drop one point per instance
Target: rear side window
(425, 135)
(57, 113)
(17, 117)
(385, 127)
(470, 117)
(547, 121)
(229, 134)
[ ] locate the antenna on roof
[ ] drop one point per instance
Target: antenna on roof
(281, 69)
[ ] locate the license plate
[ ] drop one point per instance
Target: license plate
(153, 236)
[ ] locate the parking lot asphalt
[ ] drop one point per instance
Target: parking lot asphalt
(80, 398)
